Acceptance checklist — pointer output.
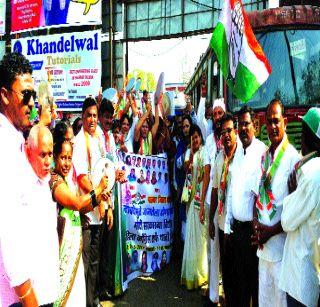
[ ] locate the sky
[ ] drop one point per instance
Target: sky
(176, 57)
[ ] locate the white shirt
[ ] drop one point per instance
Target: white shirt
(217, 173)
(80, 160)
(128, 142)
(14, 265)
(112, 152)
(28, 236)
(301, 220)
(246, 174)
(211, 152)
(273, 249)
(45, 248)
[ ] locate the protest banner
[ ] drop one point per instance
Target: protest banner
(148, 214)
(2, 17)
(35, 14)
(71, 62)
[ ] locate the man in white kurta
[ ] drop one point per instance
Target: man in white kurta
(220, 197)
(16, 245)
(301, 220)
(212, 149)
(245, 178)
(45, 261)
(89, 148)
(269, 235)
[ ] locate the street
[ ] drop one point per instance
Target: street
(160, 289)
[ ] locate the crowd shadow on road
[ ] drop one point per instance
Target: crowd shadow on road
(159, 289)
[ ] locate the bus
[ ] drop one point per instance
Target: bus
(290, 38)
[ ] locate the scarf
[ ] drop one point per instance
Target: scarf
(86, 135)
(194, 178)
(265, 200)
(223, 182)
(107, 141)
(146, 145)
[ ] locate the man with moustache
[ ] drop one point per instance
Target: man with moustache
(220, 196)
(17, 97)
(89, 148)
(43, 230)
(108, 243)
(212, 149)
(301, 220)
(277, 163)
(245, 178)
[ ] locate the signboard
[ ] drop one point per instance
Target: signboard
(34, 14)
(2, 17)
(298, 49)
(71, 62)
(148, 214)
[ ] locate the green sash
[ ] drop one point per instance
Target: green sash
(265, 200)
(194, 183)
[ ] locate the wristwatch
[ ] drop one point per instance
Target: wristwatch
(94, 201)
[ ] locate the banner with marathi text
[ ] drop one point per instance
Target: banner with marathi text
(35, 14)
(71, 62)
(146, 205)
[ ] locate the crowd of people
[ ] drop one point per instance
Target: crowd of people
(243, 210)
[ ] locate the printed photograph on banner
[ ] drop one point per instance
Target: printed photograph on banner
(70, 62)
(148, 212)
(33, 14)
(2, 17)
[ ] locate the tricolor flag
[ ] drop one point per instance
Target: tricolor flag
(239, 54)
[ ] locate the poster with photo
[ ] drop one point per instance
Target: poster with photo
(148, 214)
(71, 61)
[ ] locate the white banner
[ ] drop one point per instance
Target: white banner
(70, 61)
(147, 208)
(2, 17)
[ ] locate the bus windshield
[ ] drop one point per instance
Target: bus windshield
(294, 56)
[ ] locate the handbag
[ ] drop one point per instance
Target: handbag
(185, 196)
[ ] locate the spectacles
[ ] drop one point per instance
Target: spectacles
(26, 94)
(274, 121)
(220, 112)
(244, 124)
(225, 131)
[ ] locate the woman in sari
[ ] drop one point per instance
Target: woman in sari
(128, 124)
(145, 132)
(180, 176)
(194, 272)
(72, 283)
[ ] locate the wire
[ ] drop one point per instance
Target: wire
(157, 54)
(205, 5)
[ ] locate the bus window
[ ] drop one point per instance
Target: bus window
(294, 55)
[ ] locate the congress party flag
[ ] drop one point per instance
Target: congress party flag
(239, 54)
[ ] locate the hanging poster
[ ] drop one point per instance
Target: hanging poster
(35, 14)
(148, 214)
(2, 17)
(71, 62)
